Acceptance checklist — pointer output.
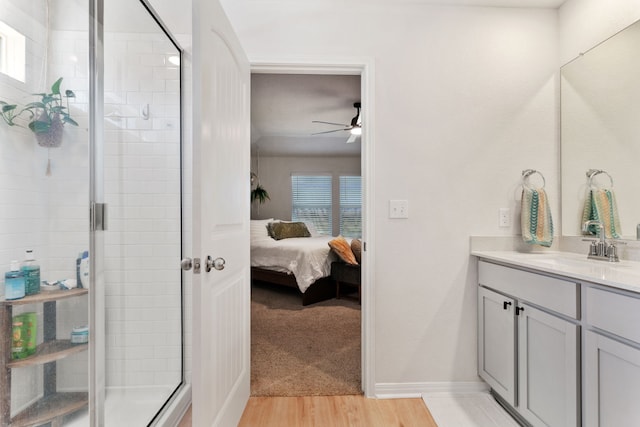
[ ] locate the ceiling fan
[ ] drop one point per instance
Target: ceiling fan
(355, 127)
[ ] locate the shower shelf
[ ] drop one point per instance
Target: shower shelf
(49, 408)
(49, 352)
(53, 406)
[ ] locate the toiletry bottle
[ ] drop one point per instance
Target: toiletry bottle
(14, 282)
(78, 281)
(84, 270)
(29, 332)
(17, 342)
(31, 271)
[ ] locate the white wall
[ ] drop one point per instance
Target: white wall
(585, 23)
(275, 177)
(475, 92)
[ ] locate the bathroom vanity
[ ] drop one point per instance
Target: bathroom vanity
(559, 337)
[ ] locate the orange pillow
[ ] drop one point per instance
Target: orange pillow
(341, 247)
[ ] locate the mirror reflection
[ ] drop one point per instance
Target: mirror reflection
(600, 131)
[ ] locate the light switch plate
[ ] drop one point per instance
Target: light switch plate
(398, 209)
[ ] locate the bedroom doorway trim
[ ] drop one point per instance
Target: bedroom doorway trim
(364, 67)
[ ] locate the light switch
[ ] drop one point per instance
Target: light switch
(398, 209)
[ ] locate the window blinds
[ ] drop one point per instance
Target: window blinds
(351, 206)
(311, 201)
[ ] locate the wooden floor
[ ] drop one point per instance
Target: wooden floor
(331, 411)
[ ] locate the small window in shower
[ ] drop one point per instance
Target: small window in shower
(12, 52)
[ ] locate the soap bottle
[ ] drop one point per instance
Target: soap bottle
(14, 282)
(31, 271)
(84, 270)
(78, 260)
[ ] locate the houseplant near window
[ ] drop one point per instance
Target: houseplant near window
(47, 117)
(259, 194)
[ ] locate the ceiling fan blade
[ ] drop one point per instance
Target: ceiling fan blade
(330, 131)
(329, 123)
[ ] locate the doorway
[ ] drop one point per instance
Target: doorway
(364, 69)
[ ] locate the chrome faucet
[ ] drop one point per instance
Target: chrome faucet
(600, 250)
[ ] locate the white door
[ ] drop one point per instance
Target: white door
(548, 369)
(221, 298)
(496, 343)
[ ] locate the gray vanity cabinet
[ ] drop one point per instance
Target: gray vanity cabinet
(612, 359)
(528, 343)
(496, 343)
(547, 369)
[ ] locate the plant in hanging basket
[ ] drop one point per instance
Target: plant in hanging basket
(259, 194)
(47, 117)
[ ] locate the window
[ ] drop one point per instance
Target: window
(12, 52)
(311, 198)
(351, 206)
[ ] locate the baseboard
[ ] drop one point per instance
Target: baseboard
(407, 390)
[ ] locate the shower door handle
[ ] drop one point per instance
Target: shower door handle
(186, 264)
(217, 263)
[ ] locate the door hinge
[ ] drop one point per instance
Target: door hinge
(98, 216)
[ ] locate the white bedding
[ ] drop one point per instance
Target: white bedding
(307, 258)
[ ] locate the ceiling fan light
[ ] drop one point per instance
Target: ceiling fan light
(356, 130)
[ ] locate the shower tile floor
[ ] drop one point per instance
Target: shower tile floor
(131, 407)
(467, 410)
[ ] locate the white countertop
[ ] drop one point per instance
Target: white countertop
(622, 275)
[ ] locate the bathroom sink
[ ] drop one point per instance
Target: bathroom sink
(565, 260)
(623, 275)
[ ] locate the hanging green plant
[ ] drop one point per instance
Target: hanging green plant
(46, 117)
(259, 194)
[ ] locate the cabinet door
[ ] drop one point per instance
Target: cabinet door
(547, 369)
(496, 343)
(612, 383)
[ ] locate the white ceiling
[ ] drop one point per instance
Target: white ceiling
(284, 105)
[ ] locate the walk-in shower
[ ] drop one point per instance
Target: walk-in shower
(109, 192)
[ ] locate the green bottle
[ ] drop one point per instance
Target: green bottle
(31, 271)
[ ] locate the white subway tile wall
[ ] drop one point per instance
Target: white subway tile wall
(23, 187)
(142, 188)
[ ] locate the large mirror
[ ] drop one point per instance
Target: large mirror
(600, 129)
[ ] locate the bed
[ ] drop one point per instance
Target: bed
(303, 263)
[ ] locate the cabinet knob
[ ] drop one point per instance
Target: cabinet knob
(519, 310)
(506, 304)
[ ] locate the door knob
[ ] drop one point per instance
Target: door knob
(217, 263)
(186, 264)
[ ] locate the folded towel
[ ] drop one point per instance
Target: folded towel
(535, 217)
(600, 205)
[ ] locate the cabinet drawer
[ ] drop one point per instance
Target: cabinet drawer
(555, 294)
(613, 312)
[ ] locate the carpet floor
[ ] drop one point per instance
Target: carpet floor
(303, 351)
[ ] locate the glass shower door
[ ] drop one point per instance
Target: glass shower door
(142, 189)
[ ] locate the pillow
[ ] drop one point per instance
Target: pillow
(356, 248)
(342, 248)
(287, 230)
(258, 228)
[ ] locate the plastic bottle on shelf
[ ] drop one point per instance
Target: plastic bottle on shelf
(14, 282)
(31, 271)
(84, 270)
